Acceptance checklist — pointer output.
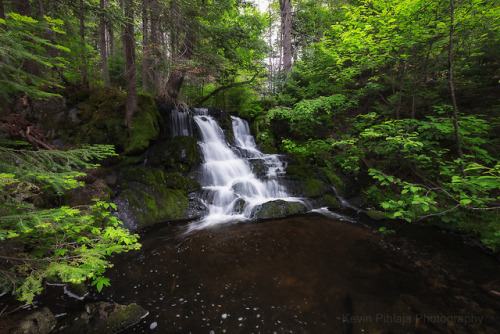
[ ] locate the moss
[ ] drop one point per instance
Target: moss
(123, 317)
(330, 201)
(103, 122)
(148, 176)
(145, 126)
(278, 209)
(312, 187)
(179, 182)
(299, 172)
(180, 154)
(333, 179)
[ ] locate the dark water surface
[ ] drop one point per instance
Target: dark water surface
(306, 274)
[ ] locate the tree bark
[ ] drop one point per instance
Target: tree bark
(130, 71)
(104, 46)
(2, 10)
(452, 87)
(23, 7)
(41, 9)
(83, 68)
(145, 45)
(176, 78)
(286, 28)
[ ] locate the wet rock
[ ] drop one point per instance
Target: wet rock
(180, 154)
(102, 318)
(85, 194)
(376, 215)
(277, 209)
(150, 196)
(39, 322)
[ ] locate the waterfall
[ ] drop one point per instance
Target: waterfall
(230, 188)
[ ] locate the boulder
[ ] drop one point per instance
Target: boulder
(150, 196)
(180, 154)
(38, 322)
(278, 209)
(102, 318)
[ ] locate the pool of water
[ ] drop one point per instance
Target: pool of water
(306, 274)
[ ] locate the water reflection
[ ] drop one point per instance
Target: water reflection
(306, 274)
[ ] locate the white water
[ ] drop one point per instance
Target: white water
(231, 189)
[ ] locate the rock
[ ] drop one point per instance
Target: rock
(39, 322)
(181, 154)
(103, 318)
(376, 215)
(85, 194)
(277, 209)
(150, 196)
(100, 120)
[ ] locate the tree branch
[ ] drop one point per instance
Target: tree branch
(234, 84)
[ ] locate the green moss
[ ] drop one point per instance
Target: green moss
(103, 122)
(312, 187)
(333, 179)
(179, 182)
(278, 209)
(299, 172)
(177, 155)
(145, 126)
(330, 201)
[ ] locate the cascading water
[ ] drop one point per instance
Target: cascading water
(230, 189)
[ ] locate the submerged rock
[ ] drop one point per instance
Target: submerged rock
(39, 322)
(103, 318)
(278, 209)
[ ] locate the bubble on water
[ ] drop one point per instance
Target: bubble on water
(153, 325)
(224, 316)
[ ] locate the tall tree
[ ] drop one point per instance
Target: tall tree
(130, 70)
(452, 87)
(83, 67)
(104, 44)
(286, 30)
(2, 10)
(145, 45)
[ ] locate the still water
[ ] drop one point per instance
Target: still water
(306, 274)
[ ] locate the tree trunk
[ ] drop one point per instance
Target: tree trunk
(23, 7)
(176, 78)
(41, 9)
(286, 28)
(130, 71)
(145, 46)
(104, 51)
(154, 51)
(2, 10)
(452, 88)
(111, 38)
(83, 69)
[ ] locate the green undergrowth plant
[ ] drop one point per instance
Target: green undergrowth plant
(55, 243)
(415, 170)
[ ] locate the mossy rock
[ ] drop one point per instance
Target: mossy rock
(313, 187)
(330, 177)
(299, 172)
(180, 182)
(377, 215)
(102, 318)
(278, 209)
(103, 118)
(146, 209)
(180, 154)
(151, 196)
(148, 176)
(329, 201)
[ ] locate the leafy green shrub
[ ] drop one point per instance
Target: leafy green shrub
(61, 243)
